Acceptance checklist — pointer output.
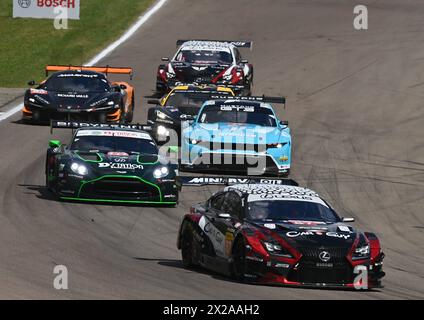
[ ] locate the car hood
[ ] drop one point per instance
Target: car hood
(74, 101)
(301, 234)
(245, 133)
(188, 73)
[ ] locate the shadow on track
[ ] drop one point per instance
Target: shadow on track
(45, 194)
(178, 264)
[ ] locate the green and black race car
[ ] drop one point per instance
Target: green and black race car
(110, 163)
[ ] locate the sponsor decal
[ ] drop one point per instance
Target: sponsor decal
(309, 223)
(41, 99)
(120, 166)
(229, 238)
(253, 258)
(282, 265)
(235, 107)
(215, 236)
(324, 265)
(99, 102)
(77, 75)
(295, 234)
(68, 95)
(270, 225)
(114, 133)
(344, 229)
(24, 3)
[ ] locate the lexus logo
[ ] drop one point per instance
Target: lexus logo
(24, 3)
(324, 256)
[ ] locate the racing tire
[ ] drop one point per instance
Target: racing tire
(239, 259)
(188, 246)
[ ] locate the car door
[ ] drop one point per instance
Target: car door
(211, 226)
(225, 222)
(233, 206)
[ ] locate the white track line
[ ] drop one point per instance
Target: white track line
(128, 34)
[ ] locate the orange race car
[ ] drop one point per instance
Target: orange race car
(80, 93)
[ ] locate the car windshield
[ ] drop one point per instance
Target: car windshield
(238, 114)
(190, 99)
(204, 57)
(105, 141)
(281, 210)
(68, 82)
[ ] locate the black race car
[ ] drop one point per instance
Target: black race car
(80, 94)
(181, 104)
(110, 163)
(216, 62)
(274, 233)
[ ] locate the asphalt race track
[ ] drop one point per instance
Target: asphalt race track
(355, 108)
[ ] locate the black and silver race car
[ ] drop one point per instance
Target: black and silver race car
(181, 104)
(273, 233)
(216, 62)
(80, 93)
(110, 163)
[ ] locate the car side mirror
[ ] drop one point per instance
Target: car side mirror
(123, 86)
(348, 219)
(224, 215)
(244, 61)
(284, 123)
(31, 83)
(165, 59)
(153, 101)
(55, 144)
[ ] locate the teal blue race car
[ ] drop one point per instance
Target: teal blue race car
(237, 135)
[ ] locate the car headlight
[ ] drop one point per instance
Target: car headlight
(162, 131)
(194, 141)
(160, 172)
(361, 252)
(276, 249)
(161, 115)
(79, 169)
(170, 75)
(275, 145)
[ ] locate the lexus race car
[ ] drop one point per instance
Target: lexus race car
(237, 135)
(181, 104)
(279, 234)
(207, 62)
(110, 163)
(80, 93)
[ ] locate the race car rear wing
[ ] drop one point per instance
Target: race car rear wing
(199, 181)
(75, 125)
(106, 70)
(239, 44)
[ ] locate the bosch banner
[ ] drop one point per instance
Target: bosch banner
(49, 9)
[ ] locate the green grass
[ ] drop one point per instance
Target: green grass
(27, 45)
